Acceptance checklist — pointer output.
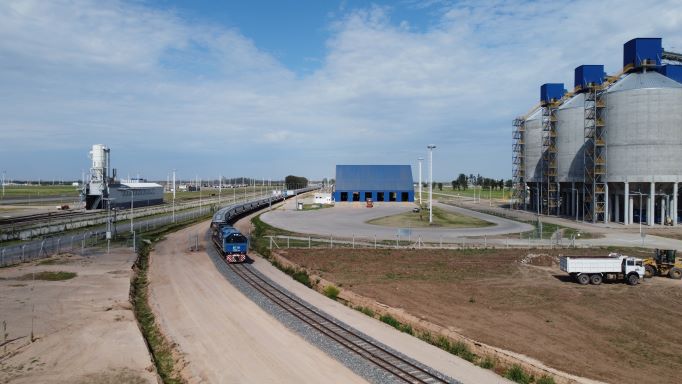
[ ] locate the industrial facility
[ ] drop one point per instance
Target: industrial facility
(610, 150)
(391, 183)
(102, 190)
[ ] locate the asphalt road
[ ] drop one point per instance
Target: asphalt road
(348, 220)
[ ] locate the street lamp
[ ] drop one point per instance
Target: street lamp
(420, 180)
(431, 148)
(132, 213)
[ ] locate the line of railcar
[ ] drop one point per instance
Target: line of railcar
(231, 243)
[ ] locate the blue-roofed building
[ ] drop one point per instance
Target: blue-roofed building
(376, 182)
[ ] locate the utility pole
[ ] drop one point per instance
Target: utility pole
(420, 180)
(174, 195)
(431, 148)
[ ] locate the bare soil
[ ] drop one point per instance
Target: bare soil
(519, 300)
(84, 330)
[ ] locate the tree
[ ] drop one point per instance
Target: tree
(508, 183)
(462, 181)
(440, 186)
(455, 185)
(295, 182)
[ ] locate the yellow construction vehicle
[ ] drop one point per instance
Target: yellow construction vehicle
(664, 263)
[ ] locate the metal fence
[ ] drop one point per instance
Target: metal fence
(93, 237)
(408, 242)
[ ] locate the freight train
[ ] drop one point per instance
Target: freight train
(228, 240)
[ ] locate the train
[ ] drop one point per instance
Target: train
(232, 244)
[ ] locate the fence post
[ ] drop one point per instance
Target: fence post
(23, 249)
(485, 241)
(375, 241)
(59, 240)
(288, 238)
(308, 242)
(331, 242)
(397, 238)
(270, 243)
(441, 241)
(353, 241)
(3, 257)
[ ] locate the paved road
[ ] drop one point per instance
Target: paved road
(347, 220)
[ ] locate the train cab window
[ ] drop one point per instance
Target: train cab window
(236, 238)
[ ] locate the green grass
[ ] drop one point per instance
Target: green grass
(49, 276)
(484, 193)
(367, 311)
(24, 191)
(441, 218)
(314, 207)
(331, 292)
(518, 375)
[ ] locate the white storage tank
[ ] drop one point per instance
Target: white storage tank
(571, 139)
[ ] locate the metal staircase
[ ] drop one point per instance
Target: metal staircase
(518, 164)
(550, 185)
(594, 187)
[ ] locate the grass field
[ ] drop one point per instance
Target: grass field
(441, 218)
(24, 191)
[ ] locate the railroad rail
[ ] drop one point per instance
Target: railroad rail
(352, 340)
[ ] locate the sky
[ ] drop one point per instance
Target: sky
(270, 88)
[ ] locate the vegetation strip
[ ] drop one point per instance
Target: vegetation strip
(159, 347)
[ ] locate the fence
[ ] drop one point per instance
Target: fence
(408, 242)
(80, 242)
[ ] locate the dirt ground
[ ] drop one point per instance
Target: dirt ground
(222, 336)
(84, 328)
(519, 300)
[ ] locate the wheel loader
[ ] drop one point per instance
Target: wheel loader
(664, 263)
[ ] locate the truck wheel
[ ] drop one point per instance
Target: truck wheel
(596, 279)
(583, 279)
(633, 279)
(649, 271)
(675, 273)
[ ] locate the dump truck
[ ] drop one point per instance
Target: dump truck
(594, 270)
(664, 263)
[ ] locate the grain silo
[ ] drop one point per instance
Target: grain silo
(611, 142)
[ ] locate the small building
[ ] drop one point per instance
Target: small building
(323, 198)
(391, 183)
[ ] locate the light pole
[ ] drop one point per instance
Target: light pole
(420, 180)
(431, 148)
(220, 187)
(132, 214)
(3, 184)
(174, 196)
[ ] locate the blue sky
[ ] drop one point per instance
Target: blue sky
(270, 88)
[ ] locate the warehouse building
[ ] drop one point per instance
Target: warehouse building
(390, 183)
(610, 150)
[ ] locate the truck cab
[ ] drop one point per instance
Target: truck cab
(633, 264)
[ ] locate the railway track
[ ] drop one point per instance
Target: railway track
(400, 367)
(41, 218)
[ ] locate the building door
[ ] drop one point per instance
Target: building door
(392, 196)
(380, 196)
(344, 196)
(368, 195)
(356, 196)
(404, 196)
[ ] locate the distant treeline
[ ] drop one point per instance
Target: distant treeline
(295, 182)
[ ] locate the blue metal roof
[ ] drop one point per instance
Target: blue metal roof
(374, 178)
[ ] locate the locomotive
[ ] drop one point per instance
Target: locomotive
(230, 242)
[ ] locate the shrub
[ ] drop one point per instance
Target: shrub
(302, 277)
(331, 292)
(462, 350)
(545, 380)
(487, 363)
(517, 374)
(390, 320)
(365, 310)
(407, 328)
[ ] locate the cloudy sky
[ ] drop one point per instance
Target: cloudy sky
(270, 88)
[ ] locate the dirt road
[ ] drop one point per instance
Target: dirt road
(223, 336)
(84, 328)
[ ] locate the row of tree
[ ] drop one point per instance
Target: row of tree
(463, 182)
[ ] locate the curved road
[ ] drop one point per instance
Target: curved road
(350, 220)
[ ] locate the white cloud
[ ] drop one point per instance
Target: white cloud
(161, 90)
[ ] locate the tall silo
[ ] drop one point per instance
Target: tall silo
(644, 141)
(570, 148)
(533, 153)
